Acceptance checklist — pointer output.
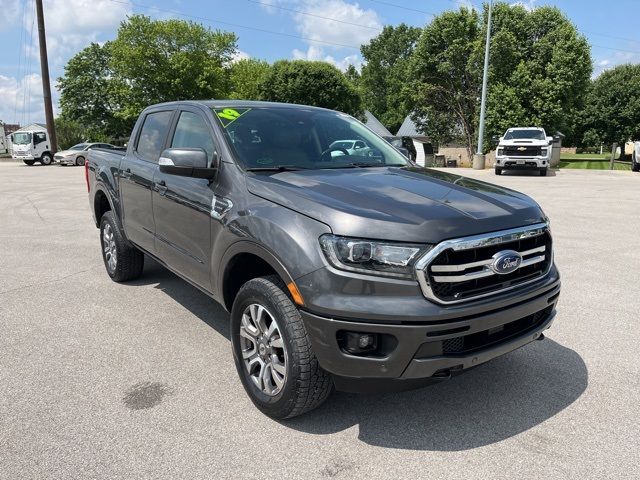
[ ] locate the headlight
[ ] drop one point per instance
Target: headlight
(500, 152)
(371, 257)
(543, 152)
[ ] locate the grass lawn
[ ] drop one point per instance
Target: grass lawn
(593, 164)
(585, 156)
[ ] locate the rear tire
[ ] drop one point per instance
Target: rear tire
(80, 161)
(29, 162)
(46, 159)
(543, 172)
(498, 171)
(635, 167)
(278, 370)
(122, 260)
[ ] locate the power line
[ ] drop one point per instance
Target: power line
(402, 7)
(279, 7)
(237, 25)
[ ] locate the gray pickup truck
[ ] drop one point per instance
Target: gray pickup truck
(363, 272)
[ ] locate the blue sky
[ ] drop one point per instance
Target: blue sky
(267, 29)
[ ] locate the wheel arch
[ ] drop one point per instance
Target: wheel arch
(242, 262)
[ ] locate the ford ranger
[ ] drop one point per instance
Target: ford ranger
(524, 149)
(360, 273)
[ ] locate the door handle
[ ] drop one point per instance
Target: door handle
(126, 173)
(161, 187)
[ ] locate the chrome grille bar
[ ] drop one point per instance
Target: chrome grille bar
(475, 242)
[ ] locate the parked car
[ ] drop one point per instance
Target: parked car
(348, 147)
(77, 154)
(338, 272)
(635, 157)
(524, 148)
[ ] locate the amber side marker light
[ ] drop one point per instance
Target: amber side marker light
(295, 293)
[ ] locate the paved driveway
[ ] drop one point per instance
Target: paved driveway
(104, 380)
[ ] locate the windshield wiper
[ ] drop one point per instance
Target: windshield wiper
(368, 165)
(279, 168)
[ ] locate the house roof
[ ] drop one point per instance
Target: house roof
(409, 129)
(33, 127)
(374, 124)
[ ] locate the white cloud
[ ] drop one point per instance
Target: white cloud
(72, 24)
(9, 14)
(239, 55)
(609, 61)
(320, 29)
(527, 4)
(318, 53)
(21, 100)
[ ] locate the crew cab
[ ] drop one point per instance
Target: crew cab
(339, 271)
(524, 148)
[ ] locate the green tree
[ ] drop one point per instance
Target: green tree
(167, 60)
(150, 61)
(445, 77)
(69, 132)
(539, 70)
(87, 91)
(612, 111)
(246, 76)
(310, 83)
(385, 73)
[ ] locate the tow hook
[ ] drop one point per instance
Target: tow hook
(541, 337)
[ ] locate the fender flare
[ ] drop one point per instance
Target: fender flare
(247, 246)
(116, 215)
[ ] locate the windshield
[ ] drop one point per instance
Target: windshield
(273, 137)
(21, 138)
(524, 135)
(80, 146)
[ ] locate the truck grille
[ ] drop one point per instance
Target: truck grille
(461, 270)
(522, 151)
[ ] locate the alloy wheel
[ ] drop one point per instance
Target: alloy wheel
(263, 350)
(109, 247)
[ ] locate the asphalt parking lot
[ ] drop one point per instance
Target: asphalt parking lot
(106, 380)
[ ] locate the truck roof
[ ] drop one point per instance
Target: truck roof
(525, 128)
(239, 103)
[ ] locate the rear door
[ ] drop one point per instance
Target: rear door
(182, 205)
(136, 177)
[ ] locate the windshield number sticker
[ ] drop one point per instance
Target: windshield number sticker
(229, 115)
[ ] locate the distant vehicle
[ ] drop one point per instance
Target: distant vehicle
(3, 140)
(635, 157)
(31, 145)
(350, 146)
(526, 148)
(405, 145)
(77, 154)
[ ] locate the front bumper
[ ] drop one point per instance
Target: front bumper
(17, 156)
(419, 354)
(528, 163)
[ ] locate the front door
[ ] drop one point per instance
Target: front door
(136, 178)
(182, 205)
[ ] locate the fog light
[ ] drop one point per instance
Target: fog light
(358, 343)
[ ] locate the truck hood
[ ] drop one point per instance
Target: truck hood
(403, 204)
(535, 143)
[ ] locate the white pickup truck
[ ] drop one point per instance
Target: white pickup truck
(524, 148)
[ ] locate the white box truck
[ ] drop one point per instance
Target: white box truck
(31, 144)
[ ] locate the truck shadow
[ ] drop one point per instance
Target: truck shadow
(528, 173)
(488, 404)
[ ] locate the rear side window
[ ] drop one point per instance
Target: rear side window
(153, 135)
(192, 132)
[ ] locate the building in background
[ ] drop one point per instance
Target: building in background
(423, 145)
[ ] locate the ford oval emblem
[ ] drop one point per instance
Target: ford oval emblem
(506, 261)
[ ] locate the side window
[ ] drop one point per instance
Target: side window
(359, 144)
(192, 132)
(153, 134)
(39, 138)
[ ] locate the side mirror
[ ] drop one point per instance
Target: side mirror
(495, 140)
(186, 162)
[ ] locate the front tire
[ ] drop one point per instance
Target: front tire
(498, 171)
(272, 351)
(635, 167)
(80, 161)
(46, 159)
(543, 172)
(122, 260)
(29, 162)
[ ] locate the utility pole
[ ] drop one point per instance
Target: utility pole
(478, 159)
(46, 83)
